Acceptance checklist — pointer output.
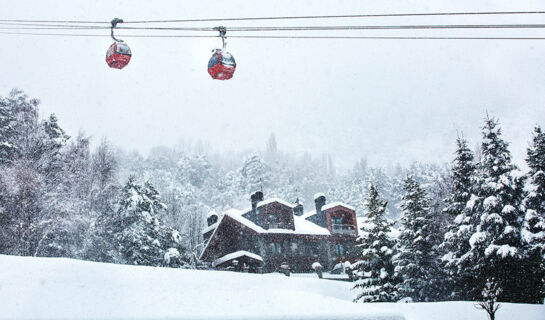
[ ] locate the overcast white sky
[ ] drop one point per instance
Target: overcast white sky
(389, 100)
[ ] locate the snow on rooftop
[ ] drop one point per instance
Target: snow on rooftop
(308, 214)
(336, 204)
(233, 211)
(210, 227)
(236, 215)
(319, 194)
(303, 226)
(235, 255)
(271, 200)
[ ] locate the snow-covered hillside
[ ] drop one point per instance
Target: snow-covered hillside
(65, 288)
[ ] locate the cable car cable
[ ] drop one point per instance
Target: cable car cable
(294, 17)
(280, 37)
(344, 16)
(389, 27)
(305, 28)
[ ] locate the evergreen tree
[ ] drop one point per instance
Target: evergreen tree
(456, 240)
(415, 262)
(24, 197)
(495, 250)
(67, 210)
(103, 196)
(534, 221)
(375, 272)
(7, 149)
(141, 237)
(255, 174)
(272, 146)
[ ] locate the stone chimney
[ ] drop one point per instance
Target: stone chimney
(320, 216)
(211, 218)
(256, 197)
(298, 210)
(319, 201)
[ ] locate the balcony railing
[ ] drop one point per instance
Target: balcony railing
(345, 229)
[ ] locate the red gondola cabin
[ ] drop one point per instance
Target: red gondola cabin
(222, 65)
(118, 55)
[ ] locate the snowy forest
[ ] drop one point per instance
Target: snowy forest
(471, 229)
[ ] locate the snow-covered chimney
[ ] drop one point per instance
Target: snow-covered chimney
(319, 201)
(298, 210)
(256, 197)
(211, 218)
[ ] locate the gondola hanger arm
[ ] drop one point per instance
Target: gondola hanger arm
(114, 22)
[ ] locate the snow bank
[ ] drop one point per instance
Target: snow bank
(41, 288)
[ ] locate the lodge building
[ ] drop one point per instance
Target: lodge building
(273, 232)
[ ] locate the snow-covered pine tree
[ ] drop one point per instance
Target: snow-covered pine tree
(256, 174)
(104, 192)
(66, 210)
(415, 263)
(7, 149)
(272, 147)
(496, 217)
(533, 231)
(375, 271)
(23, 198)
(141, 237)
(7, 152)
(456, 240)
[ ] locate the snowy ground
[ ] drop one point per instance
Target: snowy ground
(64, 288)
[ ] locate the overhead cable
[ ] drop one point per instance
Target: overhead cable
(280, 37)
(350, 16)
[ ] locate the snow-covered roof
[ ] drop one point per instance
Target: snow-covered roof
(308, 214)
(303, 226)
(237, 215)
(210, 227)
(271, 200)
(319, 194)
(328, 206)
(336, 204)
(236, 255)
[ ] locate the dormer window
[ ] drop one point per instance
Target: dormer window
(342, 223)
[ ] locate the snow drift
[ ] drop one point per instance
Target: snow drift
(71, 289)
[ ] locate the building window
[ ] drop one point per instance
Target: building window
(274, 222)
(339, 249)
(294, 246)
(276, 247)
(337, 220)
